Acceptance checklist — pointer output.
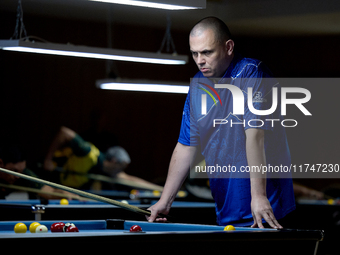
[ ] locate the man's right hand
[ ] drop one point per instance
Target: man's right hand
(179, 166)
(157, 208)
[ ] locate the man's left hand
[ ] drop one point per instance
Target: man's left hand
(261, 209)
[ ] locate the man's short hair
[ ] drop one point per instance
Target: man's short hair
(119, 154)
(220, 29)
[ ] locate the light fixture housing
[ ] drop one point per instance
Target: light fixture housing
(93, 52)
(142, 85)
(161, 4)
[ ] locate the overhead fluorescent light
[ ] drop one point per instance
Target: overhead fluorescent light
(142, 85)
(161, 4)
(93, 52)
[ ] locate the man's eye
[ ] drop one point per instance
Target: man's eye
(194, 54)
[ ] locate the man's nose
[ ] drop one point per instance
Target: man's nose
(200, 60)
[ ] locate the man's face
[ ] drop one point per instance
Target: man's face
(211, 57)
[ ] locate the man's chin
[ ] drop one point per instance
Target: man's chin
(207, 75)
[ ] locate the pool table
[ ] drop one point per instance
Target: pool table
(113, 236)
(181, 211)
(320, 214)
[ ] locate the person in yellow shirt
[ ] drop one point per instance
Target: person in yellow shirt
(72, 159)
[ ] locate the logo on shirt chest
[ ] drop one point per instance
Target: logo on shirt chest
(258, 98)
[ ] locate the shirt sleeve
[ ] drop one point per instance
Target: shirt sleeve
(188, 132)
(80, 147)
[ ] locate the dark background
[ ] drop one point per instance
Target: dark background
(40, 93)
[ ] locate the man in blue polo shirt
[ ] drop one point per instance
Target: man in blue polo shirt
(228, 140)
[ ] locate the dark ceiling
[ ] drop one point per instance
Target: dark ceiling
(244, 17)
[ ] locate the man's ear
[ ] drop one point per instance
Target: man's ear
(230, 46)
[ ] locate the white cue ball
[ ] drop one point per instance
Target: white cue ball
(41, 229)
(125, 201)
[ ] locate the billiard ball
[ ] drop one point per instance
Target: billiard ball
(72, 228)
(33, 226)
(156, 193)
(330, 201)
(134, 192)
(181, 193)
(67, 225)
(57, 227)
(64, 201)
(20, 228)
(135, 228)
(124, 202)
(41, 229)
(229, 228)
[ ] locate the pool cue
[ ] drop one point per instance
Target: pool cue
(38, 191)
(82, 193)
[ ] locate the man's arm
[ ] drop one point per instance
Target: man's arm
(47, 189)
(134, 180)
(306, 192)
(181, 159)
(64, 136)
(260, 206)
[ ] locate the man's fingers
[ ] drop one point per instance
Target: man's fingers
(161, 219)
(153, 215)
(255, 223)
(257, 220)
(277, 224)
(268, 217)
(273, 222)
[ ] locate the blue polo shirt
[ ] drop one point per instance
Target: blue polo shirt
(221, 136)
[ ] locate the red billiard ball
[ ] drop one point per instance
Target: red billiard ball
(58, 227)
(135, 228)
(67, 225)
(72, 229)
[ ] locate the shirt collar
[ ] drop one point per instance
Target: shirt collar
(237, 57)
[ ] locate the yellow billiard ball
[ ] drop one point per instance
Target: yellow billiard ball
(64, 201)
(33, 226)
(156, 193)
(229, 228)
(20, 228)
(134, 192)
(181, 193)
(330, 201)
